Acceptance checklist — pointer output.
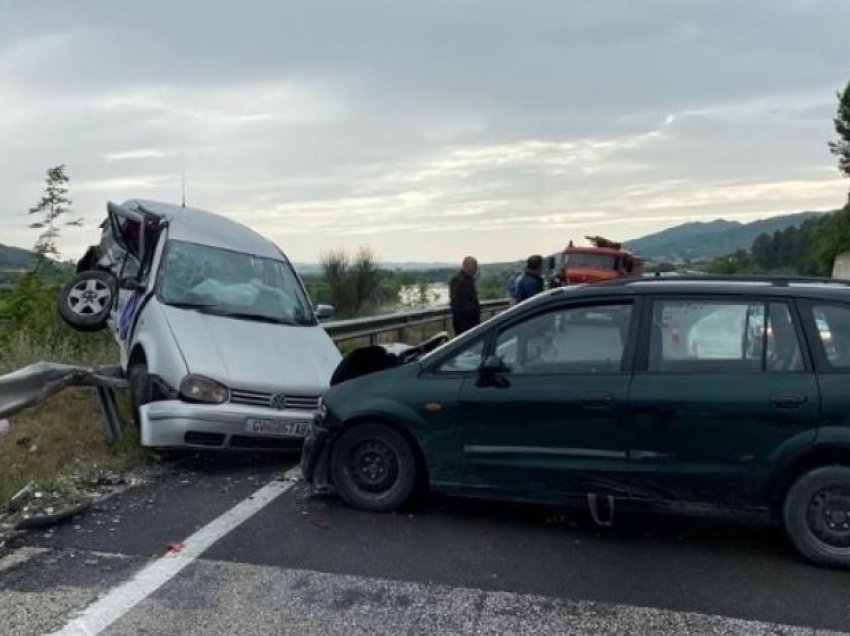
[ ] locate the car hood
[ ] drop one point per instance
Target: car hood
(254, 355)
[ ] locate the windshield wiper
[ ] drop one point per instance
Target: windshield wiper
(191, 305)
(249, 316)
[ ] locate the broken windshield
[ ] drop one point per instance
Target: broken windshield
(232, 284)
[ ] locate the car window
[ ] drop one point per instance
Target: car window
(573, 340)
(467, 359)
(722, 336)
(833, 325)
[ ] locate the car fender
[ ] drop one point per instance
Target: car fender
(830, 444)
(153, 335)
(405, 418)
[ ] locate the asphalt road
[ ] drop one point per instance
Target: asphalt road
(301, 565)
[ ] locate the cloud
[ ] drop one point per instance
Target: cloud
(130, 155)
(424, 129)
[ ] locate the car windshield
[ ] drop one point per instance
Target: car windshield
(232, 284)
(596, 261)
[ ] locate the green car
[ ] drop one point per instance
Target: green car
(686, 394)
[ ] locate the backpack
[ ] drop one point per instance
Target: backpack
(513, 284)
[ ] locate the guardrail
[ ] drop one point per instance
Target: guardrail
(372, 327)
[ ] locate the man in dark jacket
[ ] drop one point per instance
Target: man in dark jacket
(531, 282)
(463, 295)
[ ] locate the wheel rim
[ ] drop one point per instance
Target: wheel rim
(89, 297)
(829, 516)
(374, 466)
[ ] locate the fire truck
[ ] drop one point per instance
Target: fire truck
(602, 260)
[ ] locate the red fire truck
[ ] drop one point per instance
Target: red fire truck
(602, 260)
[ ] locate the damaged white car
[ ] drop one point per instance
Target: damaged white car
(219, 340)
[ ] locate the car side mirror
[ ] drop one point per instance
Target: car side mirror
(492, 365)
(324, 311)
(490, 372)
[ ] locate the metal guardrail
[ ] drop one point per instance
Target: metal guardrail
(372, 326)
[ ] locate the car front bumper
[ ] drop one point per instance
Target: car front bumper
(178, 424)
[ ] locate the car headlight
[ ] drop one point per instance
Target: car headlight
(196, 388)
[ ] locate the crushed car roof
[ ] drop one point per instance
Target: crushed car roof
(207, 228)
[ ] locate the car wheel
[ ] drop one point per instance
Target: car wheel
(141, 390)
(816, 515)
(86, 300)
(373, 468)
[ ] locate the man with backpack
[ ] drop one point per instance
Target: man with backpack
(463, 297)
(526, 284)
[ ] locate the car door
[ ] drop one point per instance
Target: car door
(827, 324)
(546, 417)
(723, 385)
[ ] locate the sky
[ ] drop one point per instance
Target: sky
(425, 130)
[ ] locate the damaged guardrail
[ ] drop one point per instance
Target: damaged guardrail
(35, 383)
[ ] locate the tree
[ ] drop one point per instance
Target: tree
(762, 250)
(53, 204)
(366, 278)
(355, 284)
(841, 147)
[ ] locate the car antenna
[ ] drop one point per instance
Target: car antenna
(182, 182)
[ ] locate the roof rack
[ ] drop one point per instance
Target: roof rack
(776, 281)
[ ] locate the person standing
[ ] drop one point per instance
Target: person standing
(463, 296)
(531, 282)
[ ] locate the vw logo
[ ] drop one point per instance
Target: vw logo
(278, 401)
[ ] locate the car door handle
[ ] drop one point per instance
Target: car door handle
(595, 399)
(788, 400)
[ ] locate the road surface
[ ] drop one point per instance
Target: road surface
(234, 547)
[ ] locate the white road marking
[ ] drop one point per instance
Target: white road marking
(108, 609)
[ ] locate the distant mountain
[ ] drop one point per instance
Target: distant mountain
(15, 257)
(709, 239)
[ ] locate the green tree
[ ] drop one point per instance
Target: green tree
(841, 147)
(763, 252)
(52, 205)
(738, 263)
(356, 285)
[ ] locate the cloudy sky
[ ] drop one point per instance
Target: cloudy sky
(426, 129)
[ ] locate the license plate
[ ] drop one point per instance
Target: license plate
(277, 427)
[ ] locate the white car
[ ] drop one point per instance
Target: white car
(219, 340)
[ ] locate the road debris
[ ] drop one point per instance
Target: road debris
(321, 521)
(33, 507)
(175, 547)
(21, 497)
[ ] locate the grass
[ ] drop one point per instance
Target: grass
(62, 437)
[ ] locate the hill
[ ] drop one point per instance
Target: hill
(15, 257)
(700, 240)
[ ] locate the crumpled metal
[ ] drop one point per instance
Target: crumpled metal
(35, 383)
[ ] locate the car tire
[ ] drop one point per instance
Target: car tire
(86, 300)
(816, 515)
(140, 388)
(373, 467)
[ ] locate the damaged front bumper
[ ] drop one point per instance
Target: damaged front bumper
(176, 424)
(315, 458)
